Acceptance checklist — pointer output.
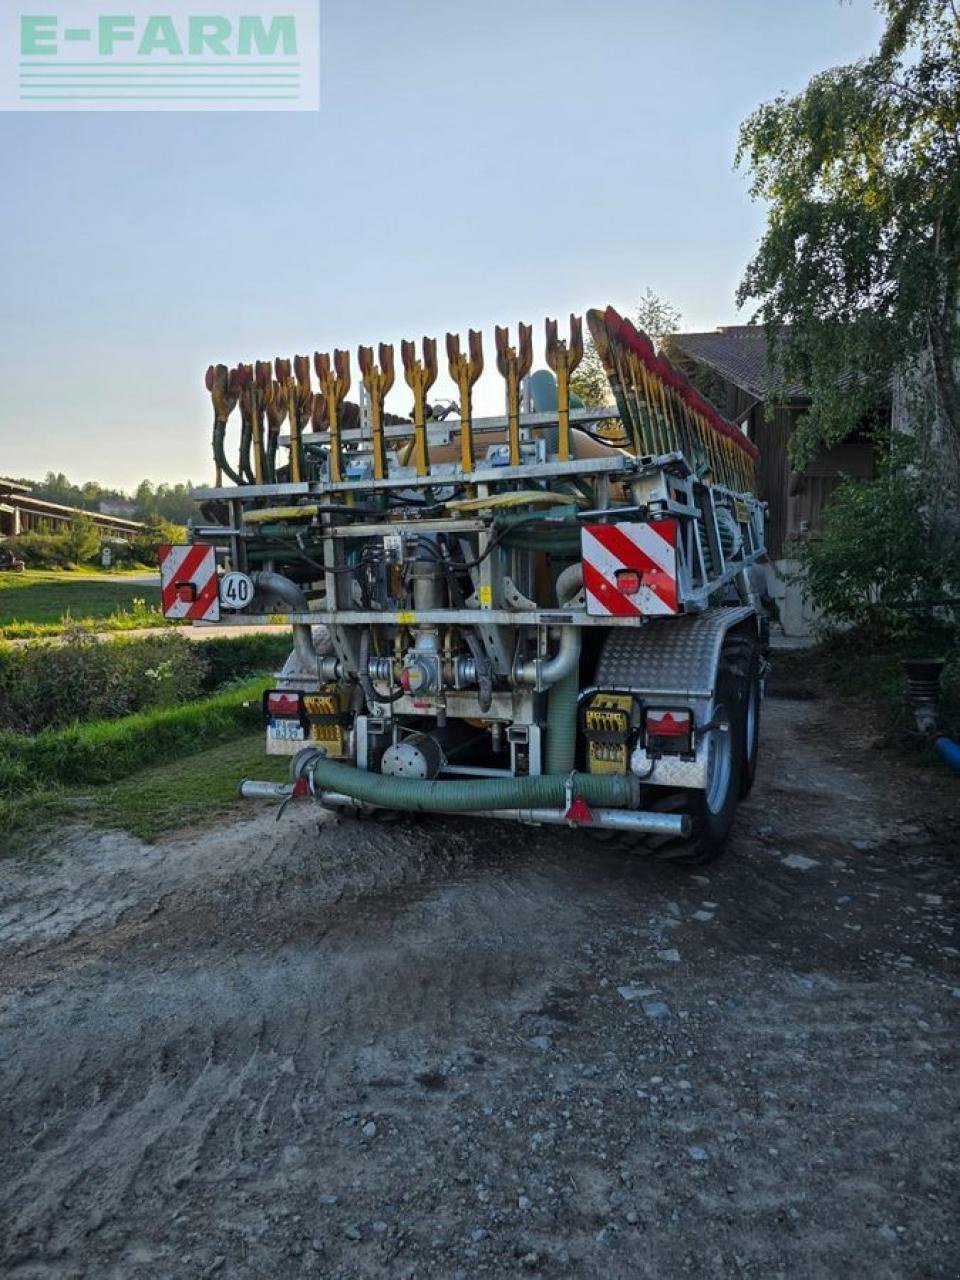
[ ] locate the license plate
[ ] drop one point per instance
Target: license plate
(286, 731)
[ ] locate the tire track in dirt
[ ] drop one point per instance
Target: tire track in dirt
(366, 1049)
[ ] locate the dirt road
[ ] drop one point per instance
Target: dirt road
(354, 1050)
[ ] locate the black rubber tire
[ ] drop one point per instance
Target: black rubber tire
(751, 728)
(711, 826)
(741, 656)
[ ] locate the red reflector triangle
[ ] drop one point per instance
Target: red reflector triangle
(579, 811)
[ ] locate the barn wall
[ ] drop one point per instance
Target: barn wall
(771, 434)
(795, 502)
(810, 490)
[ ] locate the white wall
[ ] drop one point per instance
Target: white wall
(797, 613)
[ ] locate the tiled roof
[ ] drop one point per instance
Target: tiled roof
(738, 352)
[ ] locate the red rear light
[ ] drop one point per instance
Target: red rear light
(629, 581)
(668, 730)
(282, 704)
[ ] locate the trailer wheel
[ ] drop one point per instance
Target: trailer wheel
(751, 723)
(712, 810)
(741, 655)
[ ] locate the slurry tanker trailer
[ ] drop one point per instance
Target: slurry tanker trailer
(554, 616)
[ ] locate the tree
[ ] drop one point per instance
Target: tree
(863, 569)
(655, 316)
(861, 252)
(589, 381)
(156, 533)
(82, 539)
(145, 500)
(174, 502)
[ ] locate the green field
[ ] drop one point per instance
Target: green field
(185, 792)
(192, 790)
(41, 602)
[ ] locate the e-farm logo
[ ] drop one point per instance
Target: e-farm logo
(175, 55)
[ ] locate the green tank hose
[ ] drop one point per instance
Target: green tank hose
(465, 795)
(562, 726)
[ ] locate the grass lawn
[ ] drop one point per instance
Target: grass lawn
(37, 601)
(187, 792)
(192, 790)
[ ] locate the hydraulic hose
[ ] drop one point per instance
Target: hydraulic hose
(483, 668)
(219, 456)
(549, 791)
(273, 442)
(246, 442)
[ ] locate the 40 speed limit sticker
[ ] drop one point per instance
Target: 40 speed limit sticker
(236, 590)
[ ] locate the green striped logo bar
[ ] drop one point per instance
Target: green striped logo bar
(178, 55)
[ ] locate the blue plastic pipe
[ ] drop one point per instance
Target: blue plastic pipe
(949, 752)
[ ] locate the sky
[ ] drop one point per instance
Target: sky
(470, 165)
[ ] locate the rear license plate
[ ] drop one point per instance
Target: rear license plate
(286, 731)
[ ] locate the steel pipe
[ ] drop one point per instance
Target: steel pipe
(639, 822)
(569, 583)
(275, 584)
(544, 672)
(250, 789)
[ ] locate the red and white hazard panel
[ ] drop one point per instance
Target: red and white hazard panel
(188, 583)
(630, 570)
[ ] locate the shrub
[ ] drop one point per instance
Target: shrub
(121, 553)
(156, 534)
(43, 685)
(884, 564)
(107, 751)
(82, 539)
(78, 544)
(235, 656)
(42, 550)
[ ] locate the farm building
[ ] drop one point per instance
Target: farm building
(21, 512)
(730, 365)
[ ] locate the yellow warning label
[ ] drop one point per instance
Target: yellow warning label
(486, 597)
(406, 617)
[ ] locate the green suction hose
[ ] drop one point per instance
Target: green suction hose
(562, 726)
(549, 791)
